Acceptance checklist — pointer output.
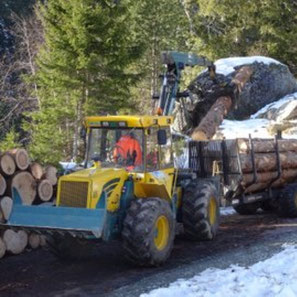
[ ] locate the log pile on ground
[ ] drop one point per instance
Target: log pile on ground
(267, 163)
(33, 184)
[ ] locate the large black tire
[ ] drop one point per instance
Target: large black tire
(148, 232)
(287, 203)
(246, 209)
(200, 210)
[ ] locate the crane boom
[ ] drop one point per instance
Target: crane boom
(176, 63)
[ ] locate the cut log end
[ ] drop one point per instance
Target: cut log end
(7, 164)
(45, 190)
(36, 170)
(34, 241)
(6, 204)
(21, 158)
(51, 174)
(15, 242)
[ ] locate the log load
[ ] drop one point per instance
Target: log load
(7, 164)
(25, 184)
(222, 106)
(21, 158)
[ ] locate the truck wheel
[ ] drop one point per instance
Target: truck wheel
(287, 203)
(246, 209)
(200, 210)
(148, 231)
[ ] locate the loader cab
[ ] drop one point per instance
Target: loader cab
(138, 144)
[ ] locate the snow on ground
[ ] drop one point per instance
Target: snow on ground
(227, 211)
(226, 66)
(274, 277)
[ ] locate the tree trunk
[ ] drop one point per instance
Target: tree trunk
(266, 145)
(25, 184)
(42, 239)
(7, 164)
(21, 158)
(6, 204)
(45, 190)
(51, 174)
(212, 120)
(2, 248)
(36, 170)
(2, 185)
(15, 242)
(34, 240)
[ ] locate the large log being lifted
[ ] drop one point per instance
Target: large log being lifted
(215, 116)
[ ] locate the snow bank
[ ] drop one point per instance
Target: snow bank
(276, 276)
(226, 66)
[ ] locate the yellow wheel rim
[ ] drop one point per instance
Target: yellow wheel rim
(161, 233)
(212, 210)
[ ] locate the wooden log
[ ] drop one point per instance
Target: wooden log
(34, 240)
(6, 204)
(45, 190)
(287, 175)
(7, 165)
(36, 170)
(266, 145)
(2, 185)
(21, 158)
(25, 185)
(2, 248)
(215, 116)
(268, 161)
(51, 174)
(15, 242)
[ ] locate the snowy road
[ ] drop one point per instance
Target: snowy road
(242, 240)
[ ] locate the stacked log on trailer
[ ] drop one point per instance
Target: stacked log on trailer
(34, 184)
(267, 163)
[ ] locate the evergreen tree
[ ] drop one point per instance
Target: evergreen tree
(227, 28)
(83, 69)
(161, 25)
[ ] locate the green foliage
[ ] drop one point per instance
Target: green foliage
(10, 141)
(84, 68)
(228, 28)
(161, 25)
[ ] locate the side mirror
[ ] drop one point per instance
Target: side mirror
(162, 137)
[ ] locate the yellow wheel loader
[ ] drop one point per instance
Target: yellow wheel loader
(129, 190)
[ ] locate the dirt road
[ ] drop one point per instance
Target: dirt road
(243, 240)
